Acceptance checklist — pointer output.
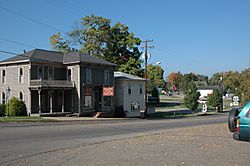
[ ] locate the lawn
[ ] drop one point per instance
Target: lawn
(24, 119)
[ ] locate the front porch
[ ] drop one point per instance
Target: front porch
(51, 101)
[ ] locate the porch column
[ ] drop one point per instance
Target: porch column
(29, 105)
(72, 101)
(63, 101)
(51, 101)
(39, 101)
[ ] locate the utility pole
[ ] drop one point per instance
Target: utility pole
(145, 74)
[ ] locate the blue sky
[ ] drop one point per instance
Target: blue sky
(200, 36)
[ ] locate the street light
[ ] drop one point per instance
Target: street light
(222, 103)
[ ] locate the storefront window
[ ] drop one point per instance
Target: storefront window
(107, 101)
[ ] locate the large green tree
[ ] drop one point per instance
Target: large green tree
(155, 76)
(96, 36)
(192, 96)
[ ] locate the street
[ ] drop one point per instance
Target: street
(126, 142)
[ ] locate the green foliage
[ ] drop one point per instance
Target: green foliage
(97, 37)
(155, 93)
(155, 76)
(15, 107)
(192, 96)
(215, 99)
(132, 67)
(2, 109)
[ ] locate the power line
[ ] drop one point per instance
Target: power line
(16, 42)
(31, 19)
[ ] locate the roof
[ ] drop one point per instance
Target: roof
(76, 57)
(39, 55)
(36, 55)
(125, 76)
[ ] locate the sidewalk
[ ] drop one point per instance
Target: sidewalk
(86, 119)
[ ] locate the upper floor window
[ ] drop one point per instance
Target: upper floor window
(140, 88)
(40, 72)
(50, 73)
(88, 76)
(108, 78)
(69, 74)
(20, 78)
(3, 98)
(21, 96)
(3, 76)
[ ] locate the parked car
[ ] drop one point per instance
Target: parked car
(239, 122)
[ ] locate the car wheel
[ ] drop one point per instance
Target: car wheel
(231, 119)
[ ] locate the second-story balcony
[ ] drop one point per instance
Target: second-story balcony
(51, 84)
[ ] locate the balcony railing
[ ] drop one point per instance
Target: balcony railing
(52, 83)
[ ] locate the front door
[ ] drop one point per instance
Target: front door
(97, 99)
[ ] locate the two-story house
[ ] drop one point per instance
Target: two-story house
(51, 82)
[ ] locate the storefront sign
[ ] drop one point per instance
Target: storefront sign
(108, 91)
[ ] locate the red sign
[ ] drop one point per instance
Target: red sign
(108, 91)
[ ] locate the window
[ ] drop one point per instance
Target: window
(140, 88)
(40, 72)
(129, 88)
(135, 106)
(50, 74)
(3, 98)
(69, 74)
(107, 101)
(108, 78)
(248, 114)
(20, 79)
(88, 76)
(3, 76)
(87, 101)
(21, 96)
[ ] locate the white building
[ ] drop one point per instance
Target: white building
(129, 93)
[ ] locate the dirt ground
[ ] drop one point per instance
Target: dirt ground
(196, 146)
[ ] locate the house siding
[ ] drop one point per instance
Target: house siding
(12, 81)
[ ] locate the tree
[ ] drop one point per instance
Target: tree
(244, 87)
(175, 79)
(215, 99)
(97, 37)
(155, 76)
(192, 96)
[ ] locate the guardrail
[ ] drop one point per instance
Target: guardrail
(52, 83)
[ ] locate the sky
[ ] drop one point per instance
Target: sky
(199, 36)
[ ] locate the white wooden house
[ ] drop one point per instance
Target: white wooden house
(129, 93)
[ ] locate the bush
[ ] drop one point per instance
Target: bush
(2, 109)
(15, 107)
(155, 92)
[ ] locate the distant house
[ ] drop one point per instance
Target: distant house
(129, 93)
(52, 82)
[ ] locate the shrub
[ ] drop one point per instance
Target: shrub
(155, 92)
(2, 109)
(191, 97)
(15, 107)
(215, 99)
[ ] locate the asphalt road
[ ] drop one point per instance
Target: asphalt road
(23, 140)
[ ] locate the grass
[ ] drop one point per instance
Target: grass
(24, 119)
